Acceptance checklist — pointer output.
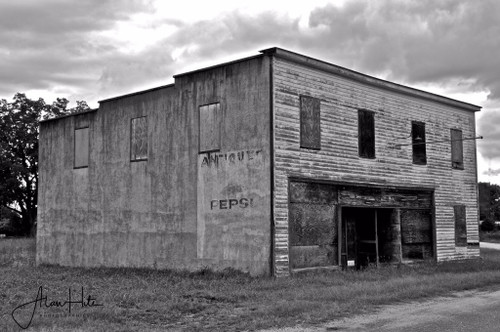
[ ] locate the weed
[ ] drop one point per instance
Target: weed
(149, 299)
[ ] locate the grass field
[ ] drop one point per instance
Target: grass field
(148, 300)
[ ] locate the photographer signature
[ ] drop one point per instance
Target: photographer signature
(41, 300)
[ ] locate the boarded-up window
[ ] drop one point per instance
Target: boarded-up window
(139, 139)
(460, 226)
(366, 134)
(81, 147)
(416, 234)
(210, 127)
(457, 151)
(313, 235)
(418, 143)
(310, 129)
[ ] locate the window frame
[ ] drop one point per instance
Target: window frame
(460, 224)
(135, 158)
(418, 157)
(84, 165)
(364, 151)
(218, 122)
(310, 113)
(457, 146)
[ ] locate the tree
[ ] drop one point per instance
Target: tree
(19, 128)
(489, 201)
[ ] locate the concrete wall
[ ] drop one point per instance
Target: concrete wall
(338, 161)
(161, 212)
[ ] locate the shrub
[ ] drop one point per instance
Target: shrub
(488, 225)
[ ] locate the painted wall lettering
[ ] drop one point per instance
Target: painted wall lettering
(214, 159)
(230, 203)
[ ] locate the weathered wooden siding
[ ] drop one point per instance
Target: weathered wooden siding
(338, 160)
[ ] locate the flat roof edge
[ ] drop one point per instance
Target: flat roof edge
(218, 65)
(137, 93)
(69, 115)
(367, 79)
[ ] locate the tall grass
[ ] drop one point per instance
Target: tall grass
(17, 251)
(149, 300)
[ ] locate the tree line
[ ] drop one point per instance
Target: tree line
(19, 130)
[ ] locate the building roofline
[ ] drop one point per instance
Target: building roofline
(69, 115)
(317, 64)
(136, 93)
(367, 79)
(219, 65)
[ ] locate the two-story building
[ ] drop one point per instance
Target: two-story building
(270, 164)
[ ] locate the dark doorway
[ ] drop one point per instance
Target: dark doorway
(370, 237)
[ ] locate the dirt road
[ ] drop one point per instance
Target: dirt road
(464, 311)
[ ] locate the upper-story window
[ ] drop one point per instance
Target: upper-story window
(366, 134)
(139, 139)
(210, 119)
(81, 148)
(418, 143)
(310, 127)
(457, 149)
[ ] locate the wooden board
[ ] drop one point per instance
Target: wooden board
(460, 226)
(312, 224)
(457, 153)
(314, 193)
(313, 256)
(210, 127)
(312, 227)
(416, 226)
(81, 147)
(139, 139)
(359, 196)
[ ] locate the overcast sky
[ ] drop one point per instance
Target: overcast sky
(95, 49)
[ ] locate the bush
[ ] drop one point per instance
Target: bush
(488, 225)
(10, 223)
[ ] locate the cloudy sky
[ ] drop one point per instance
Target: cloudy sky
(96, 49)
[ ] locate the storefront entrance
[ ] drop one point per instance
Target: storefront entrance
(370, 237)
(339, 225)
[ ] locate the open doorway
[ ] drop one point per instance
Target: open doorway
(370, 236)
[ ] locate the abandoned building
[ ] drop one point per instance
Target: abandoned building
(270, 164)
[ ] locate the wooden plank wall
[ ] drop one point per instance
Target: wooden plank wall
(337, 160)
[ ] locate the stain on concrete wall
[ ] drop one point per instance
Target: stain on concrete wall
(159, 212)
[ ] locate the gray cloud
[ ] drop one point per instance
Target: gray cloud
(47, 45)
(492, 172)
(453, 43)
(418, 41)
(59, 16)
(489, 127)
(203, 41)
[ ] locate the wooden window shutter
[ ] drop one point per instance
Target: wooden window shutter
(418, 141)
(210, 127)
(366, 134)
(460, 226)
(139, 139)
(310, 127)
(457, 151)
